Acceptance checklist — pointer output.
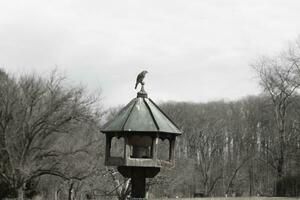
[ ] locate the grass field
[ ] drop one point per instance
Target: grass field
(237, 198)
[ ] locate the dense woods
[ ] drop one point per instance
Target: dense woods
(232, 148)
(51, 145)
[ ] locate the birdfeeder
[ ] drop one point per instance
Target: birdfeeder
(141, 124)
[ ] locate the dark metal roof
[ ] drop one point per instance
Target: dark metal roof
(141, 115)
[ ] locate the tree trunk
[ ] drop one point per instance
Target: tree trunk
(281, 130)
(281, 159)
(71, 192)
(56, 194)
(280, 167)
(250, 171)
(21, 193)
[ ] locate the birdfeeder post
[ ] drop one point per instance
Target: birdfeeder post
(138, 182)
(141, 123)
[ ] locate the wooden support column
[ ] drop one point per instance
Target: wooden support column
(172, 150)
(127, 150)
(154, 148)
(108, 147)
(138, 183)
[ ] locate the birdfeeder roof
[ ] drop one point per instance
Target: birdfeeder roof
(141, 115)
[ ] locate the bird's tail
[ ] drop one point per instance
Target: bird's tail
(136, 85)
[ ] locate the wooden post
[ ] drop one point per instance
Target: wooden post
(154, 148)
(172, 150)
(138, 183)
(127, 150)
(108, 146)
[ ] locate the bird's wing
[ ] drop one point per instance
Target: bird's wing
(140, 77)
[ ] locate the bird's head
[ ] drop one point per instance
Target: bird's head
(145, 72)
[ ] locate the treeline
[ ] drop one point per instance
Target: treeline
(233, 149)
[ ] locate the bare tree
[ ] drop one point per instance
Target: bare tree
(37, 119)
(208, 145)
(122, 186)
(279, 77)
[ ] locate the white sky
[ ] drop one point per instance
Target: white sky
(194, 50)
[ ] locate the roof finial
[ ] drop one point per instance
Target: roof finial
(142, 93)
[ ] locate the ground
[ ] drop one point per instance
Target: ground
(238, 198)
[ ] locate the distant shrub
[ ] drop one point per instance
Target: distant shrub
(288, 186)
(7, 191)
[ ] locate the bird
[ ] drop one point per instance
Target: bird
(140, 78)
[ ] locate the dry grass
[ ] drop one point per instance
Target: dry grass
(238, 198)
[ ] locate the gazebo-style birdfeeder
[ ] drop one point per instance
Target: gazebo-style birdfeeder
(141, 123)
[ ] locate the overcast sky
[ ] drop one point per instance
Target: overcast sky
(194, 50)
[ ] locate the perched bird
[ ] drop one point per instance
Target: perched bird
(140, 78)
